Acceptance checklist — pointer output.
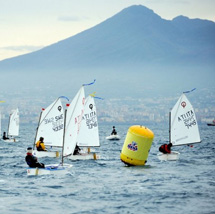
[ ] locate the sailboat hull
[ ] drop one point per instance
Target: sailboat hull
(40, 154)
(211, 124)
(113, 137)
(173, 156)
(49, 169)
(83, 156)
(12, 140)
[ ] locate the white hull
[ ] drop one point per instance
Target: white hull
(169, 157)
(49, 169)
(87, 156)
(12, 140)
(113, 137)
(40, 154)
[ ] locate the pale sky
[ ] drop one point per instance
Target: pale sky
(28, 25)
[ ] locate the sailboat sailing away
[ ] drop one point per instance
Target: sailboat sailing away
(89, 135)
(51, 127)
(183, 127)
(13, 127)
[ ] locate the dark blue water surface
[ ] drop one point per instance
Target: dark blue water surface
(107, 185)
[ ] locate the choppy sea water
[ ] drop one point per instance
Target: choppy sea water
(107, 185)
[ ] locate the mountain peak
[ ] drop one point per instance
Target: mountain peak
(136, 35)
(138, 11)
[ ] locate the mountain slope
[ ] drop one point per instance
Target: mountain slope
(135, 36)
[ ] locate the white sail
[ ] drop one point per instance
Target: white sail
(0, 127)
(13, 128)
(183, 124)
(51, 124)
(89, 134)
(74, 116)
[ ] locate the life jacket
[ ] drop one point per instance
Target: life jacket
(165, 149)
(40, 146)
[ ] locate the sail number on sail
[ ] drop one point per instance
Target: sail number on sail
(91, 120)
(188, 118)
(57, 122)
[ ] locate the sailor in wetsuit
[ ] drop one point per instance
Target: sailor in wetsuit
(165, 148)
(4, 136)
(114, 131)
(32, 160)
(77, 150)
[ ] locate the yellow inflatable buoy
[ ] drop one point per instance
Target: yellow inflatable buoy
(137, 145)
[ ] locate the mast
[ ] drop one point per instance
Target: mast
(75, 110)
(170, 127)
(64, 135)
(37, 130)
(8, 125)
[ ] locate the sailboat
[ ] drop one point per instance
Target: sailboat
(211, 124)
(113, 137)
(13, 126)
(89, 135)
(57, 169)
(72, 121)
(183, 127)
(51, 127)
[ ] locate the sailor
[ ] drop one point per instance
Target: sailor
(4, 136)
(76, 151)
(114, 131)
(165, 148)
(32, 160)
(40, 145)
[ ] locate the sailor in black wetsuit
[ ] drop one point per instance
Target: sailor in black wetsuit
(32, 160)
(4, 136)
(114, 131)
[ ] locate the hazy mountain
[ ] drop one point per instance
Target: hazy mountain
(135, 53)
(135, 36)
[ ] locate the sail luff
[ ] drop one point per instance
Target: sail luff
(8, 128)
(73, 122)
(65, 115)
(37, 131)
(53, 104)
(173, 116)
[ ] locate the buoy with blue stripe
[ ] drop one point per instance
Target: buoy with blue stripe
(137, 145)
